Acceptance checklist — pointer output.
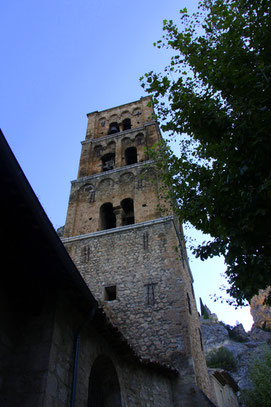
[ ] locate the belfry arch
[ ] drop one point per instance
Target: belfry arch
(107, 216)
(128, 211)
(104, 388)
(130, 155)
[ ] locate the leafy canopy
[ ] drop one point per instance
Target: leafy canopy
(215, 92)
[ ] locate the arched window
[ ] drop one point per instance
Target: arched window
(128, 209)
(131, 155)
(104, 388)
(126, 124)
(107, 216)
(108, 162)
(113, 128)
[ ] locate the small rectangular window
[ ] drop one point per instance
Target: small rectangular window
(110, 293)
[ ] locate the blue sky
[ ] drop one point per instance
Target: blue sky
(62, 59)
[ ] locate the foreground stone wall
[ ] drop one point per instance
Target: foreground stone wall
(25, 340)
(154, 305)
(139, 386)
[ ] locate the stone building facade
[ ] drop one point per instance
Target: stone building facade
(130, 253)
(57, 349)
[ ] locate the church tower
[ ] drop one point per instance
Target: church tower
(130, 253)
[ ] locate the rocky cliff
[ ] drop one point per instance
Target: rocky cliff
(260, 311)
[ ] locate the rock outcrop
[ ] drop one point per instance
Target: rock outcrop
(260, 311)
(245, 347)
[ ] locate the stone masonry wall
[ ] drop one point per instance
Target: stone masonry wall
(139, 386)
(154, 306)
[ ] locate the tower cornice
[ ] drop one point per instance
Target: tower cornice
(120, 134)
(106, 173)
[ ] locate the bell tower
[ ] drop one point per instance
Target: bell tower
(132, 255)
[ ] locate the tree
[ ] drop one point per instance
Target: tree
(221, 358)
(259, 395)
(215, 92)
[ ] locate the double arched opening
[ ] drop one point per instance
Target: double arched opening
(104, 388)
(111, 217)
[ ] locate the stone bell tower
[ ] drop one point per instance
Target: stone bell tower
(131, 254)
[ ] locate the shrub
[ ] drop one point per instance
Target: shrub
(259, 394)
(221, 358)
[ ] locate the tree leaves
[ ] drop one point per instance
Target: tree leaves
(220, 99)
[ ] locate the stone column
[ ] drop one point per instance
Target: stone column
(119, 213)
(118, 162)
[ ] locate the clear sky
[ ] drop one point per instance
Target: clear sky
(61, 59)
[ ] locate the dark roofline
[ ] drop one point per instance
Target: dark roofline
(8, 160)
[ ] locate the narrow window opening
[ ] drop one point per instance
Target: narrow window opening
(150, 294)
(108, 162)
(86, 254)
(113, 128)
(145, 240)
(126, 124)
(131, 155)
(189, 303)
(128, 209)
(200, 337)
(110, 293)
(108, 218)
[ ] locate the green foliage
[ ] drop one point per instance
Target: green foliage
(203, 310)
(221, 358)
(259, 395)
(215, 92)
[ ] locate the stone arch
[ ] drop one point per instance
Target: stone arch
(126, 124)
(130, 155)
(108, 161)
(111, 146)
(113, 128)
(125, 113)
(102, 121)
(127, 178)
(137, 111)
(128, 217)
(105, 185)
(139, 139)
(126, 141)
(104, 387)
